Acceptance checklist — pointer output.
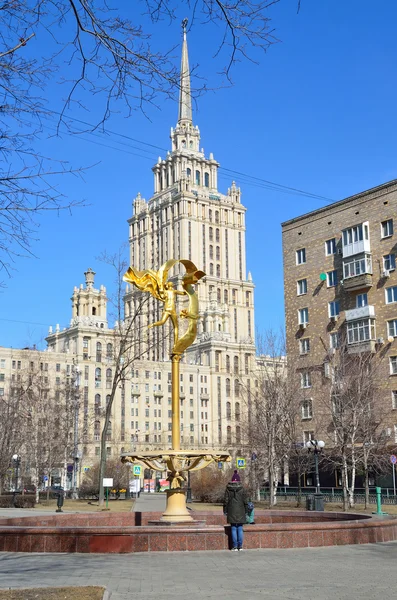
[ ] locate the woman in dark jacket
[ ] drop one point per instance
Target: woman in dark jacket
(235, 507)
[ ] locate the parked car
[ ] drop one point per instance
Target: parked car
(53, 491)
(29, 489)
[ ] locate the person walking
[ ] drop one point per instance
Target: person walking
(235, 507)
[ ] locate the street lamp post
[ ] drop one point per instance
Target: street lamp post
(317, 446)
(17, 463)
(76, 432)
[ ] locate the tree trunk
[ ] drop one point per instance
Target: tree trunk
(345, 482)
(366, 502)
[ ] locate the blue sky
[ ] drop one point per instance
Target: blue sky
(317, 113)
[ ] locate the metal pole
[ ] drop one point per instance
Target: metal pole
(76, 433)
(317, 473)
(107, 496)
(189, 489)
(394, 481)
(176, 410)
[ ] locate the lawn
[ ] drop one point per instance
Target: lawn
(64, 593)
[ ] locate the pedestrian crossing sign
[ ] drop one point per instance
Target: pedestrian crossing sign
(240, 463)
(137, 469)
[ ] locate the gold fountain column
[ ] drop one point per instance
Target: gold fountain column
(176, 409)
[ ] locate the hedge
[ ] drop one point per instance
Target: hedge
(26, 501)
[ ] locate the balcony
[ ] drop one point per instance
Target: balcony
(359, 282)
(356, 247)
(364, 312)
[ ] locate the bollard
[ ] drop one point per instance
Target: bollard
(379, 502)
(59, 502)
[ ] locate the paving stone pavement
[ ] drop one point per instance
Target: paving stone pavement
(334, 573)
(150, 503)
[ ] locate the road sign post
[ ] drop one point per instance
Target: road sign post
(107, 483)
(393, 460)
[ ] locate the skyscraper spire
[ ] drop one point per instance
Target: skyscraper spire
(185, 98)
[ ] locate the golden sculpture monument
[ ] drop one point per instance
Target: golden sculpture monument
(175, 461)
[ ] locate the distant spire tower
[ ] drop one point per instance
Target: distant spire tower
(185, 98)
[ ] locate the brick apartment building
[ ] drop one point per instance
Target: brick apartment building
(340, 284)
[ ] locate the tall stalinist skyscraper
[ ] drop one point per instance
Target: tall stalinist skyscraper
(187, 217)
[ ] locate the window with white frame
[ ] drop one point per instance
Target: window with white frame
(304, 346)
(302, 287)
(393, 365)
(395, 433)
(307, 409)
(333, 308)
(306, 380)
(361, 300)
(330, 247)
(303, 316)
(360, 331)
(357, 266)
(387, 228)
(394, 399)
(392, 328)
(301, 256)
(307, 436)
(332, 278)
(389, 262)
(355, 234)
(334, 340)
(391, 294)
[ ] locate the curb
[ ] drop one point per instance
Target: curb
(106, 594)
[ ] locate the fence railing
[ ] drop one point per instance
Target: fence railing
(334, 494)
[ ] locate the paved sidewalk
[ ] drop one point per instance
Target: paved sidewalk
(150, 503)
(335, 573)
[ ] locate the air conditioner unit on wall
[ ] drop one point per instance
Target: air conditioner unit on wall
(386, 273)
(380, 340)
(334, 318)
(332, 351)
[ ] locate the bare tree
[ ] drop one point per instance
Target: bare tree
(10, 439)
(91, 50)
(268, 405)
(129, 344)
(354, 412)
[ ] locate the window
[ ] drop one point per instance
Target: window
(306, 381)
(360, 331)
(1, 391)
(206, 179)
(334, 340)
(393, 365)
(302, 287)
(197, 177)
(304, 346)
(357, 266)
(58, 367)
(307, 409)
(333, 308)
(303, 316)
(332, 278)
(392, 328)
(361, 300)
(2, 377)
(228, 411)
(301, 256)
(394, 399)
(2, 363)
(147, 374)
(387, 228)
(330, 247)
(98, 352)
(354, 234)
(389, 262)
(308, 435)
(391, 294)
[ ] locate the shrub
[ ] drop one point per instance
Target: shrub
(26, 501)
(209, 484)
(6, 501)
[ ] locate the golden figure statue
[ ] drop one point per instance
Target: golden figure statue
(175, 460)
(155, 282)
